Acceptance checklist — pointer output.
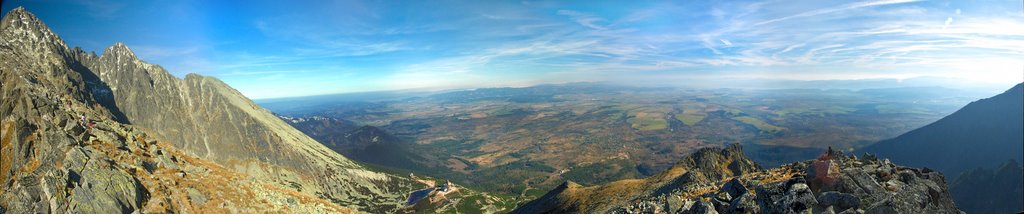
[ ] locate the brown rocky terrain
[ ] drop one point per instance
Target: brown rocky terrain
(725, 181)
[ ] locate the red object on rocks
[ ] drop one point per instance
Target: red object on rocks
(824, 172)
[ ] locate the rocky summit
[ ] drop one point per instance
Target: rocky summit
(111, 133)
(725, 181)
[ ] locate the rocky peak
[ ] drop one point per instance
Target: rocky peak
(120, 51)
(717, 162)
(23, 31)
(119, 63)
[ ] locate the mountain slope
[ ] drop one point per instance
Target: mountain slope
(207, 118)
(367, 144)
(984, 133)
(725, 181)
(46, 82)
(987, 191)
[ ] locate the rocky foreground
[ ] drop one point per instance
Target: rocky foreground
(69, 147)
(110, 133)
(725, 181)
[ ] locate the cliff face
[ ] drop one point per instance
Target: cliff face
(47, 87)
(725, 181)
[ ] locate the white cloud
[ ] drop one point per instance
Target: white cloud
(791, 47)
(710, 46)
(584, 19)
(726, 42)
(846, 7)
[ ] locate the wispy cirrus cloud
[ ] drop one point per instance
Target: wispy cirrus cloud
(828, 10)
(843, 40)
(742, 38)
(349, 46)
(584, 19)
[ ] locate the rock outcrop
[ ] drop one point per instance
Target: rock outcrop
(724, 181)
(697, 173)
(153, 142)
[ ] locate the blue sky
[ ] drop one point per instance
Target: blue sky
(271, 49)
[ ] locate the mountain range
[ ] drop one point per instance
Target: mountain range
(101, 117)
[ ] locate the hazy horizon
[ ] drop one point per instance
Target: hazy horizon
(355, 106)
(273, 49)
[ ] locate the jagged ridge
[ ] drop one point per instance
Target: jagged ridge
(46, 82)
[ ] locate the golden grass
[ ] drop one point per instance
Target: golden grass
(612, 193)
(307, 199)
(6, 148)
(222, 187)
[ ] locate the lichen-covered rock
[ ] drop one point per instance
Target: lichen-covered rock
(734, 188)
(745, 203)
(104, 189)
(840, 201)
(792, 196)
(196, 196)
(702, 207)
